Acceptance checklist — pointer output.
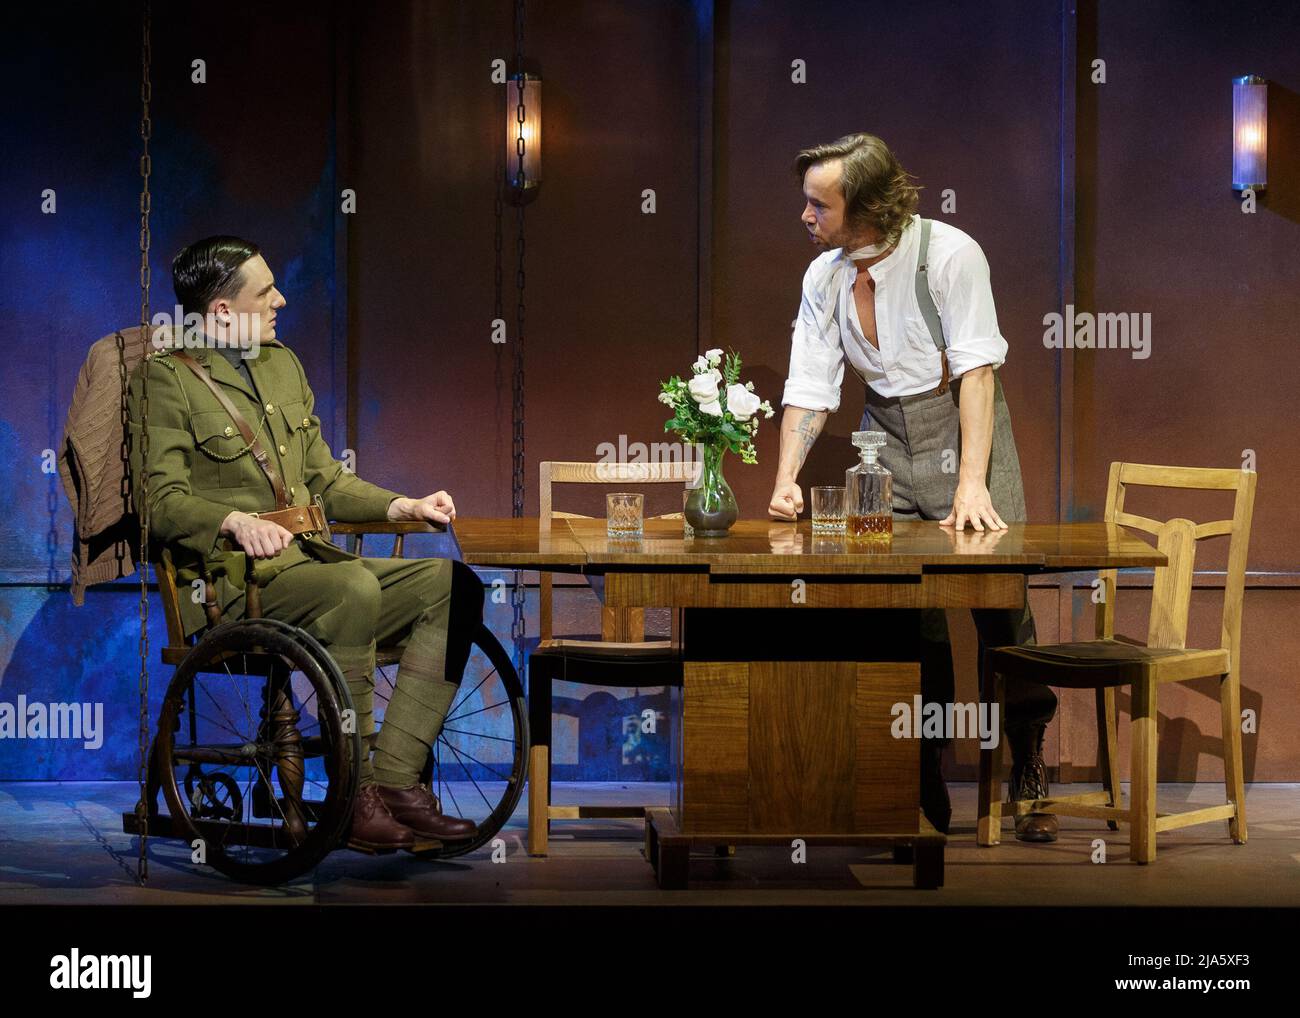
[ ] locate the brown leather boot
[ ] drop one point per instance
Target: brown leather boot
(1029, 781)
(419, 809)
(374, 828)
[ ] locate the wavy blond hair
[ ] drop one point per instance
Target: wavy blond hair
(878, 192)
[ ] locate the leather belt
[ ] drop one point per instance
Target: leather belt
(301, 519)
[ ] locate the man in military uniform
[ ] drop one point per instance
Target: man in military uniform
(208, 493)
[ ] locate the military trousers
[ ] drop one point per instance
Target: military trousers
(923, 451)
(430, 607)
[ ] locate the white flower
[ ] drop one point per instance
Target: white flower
(714, 357)
(713, 408)
(705, 387)
(749, 386)
(766, 407)
(741, 402)
(666, 398)
(701, 365)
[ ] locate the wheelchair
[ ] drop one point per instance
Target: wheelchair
(257, 754)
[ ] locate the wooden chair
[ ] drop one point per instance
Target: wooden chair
(619, 656)
(1111, 661)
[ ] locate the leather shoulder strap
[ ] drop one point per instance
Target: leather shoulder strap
(250, 439)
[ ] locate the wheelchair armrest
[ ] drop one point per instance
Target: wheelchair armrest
(389, 527)
(398, 528)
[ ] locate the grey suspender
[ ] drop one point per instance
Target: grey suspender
(924, 299)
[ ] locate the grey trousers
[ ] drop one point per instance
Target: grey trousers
(923, 451)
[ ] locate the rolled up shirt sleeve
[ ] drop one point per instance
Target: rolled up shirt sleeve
(816, 359)
(970, 323)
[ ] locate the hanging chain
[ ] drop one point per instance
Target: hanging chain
(142, 509)
(52, 487)
(120, 548)
(518, 626)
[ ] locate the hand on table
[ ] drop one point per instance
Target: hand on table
(972, 503)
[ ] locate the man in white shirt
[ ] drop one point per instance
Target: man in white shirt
(923, 335)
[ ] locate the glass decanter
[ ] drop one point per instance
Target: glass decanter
(868, 492)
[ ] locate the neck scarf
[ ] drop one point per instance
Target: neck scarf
(840, 267)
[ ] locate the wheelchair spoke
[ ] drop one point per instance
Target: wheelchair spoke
(243, 700)
(469, 775)
(491, 706)
(275, 800)
(478, 735)
(217, 724)
(454, 804)
(475, 689)
(221, 710)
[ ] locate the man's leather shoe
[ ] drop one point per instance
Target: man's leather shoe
(1029, 781)
(374, 829)
(420, 810)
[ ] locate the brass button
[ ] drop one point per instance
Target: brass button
(229, 431)
(283, 450)
(270, 408)
(306, 422)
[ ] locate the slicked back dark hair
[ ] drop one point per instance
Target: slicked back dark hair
(208, 270)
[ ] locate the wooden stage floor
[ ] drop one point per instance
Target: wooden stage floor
(62, 843)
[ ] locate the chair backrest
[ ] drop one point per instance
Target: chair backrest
(165, 574)
(1172, 590)
(623, 624)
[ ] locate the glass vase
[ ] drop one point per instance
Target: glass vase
(711, 506)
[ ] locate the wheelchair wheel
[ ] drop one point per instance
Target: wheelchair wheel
(479, 764)
(256, 763)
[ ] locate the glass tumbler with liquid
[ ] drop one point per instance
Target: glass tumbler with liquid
(868, 492)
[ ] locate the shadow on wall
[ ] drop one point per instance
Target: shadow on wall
(1283, 193)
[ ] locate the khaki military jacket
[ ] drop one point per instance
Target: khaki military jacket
(199, 467)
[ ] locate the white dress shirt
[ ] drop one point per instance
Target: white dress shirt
(827, 329)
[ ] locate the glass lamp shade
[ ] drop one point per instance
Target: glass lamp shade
(1249, 133)
(531, 132)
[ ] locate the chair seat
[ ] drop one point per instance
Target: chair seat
(648, 663)
(609, 650)
(1097, 664)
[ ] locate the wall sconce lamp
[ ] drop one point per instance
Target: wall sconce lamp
(524, 135)
(1249, 133)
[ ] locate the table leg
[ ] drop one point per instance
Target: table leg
(927, 865)
(674, 865)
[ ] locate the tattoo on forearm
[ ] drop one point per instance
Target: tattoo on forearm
(808, 428)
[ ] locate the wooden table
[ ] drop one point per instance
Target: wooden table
(782, 724)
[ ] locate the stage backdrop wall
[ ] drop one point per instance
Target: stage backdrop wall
(1111, 196)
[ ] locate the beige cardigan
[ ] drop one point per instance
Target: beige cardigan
(107, 536)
